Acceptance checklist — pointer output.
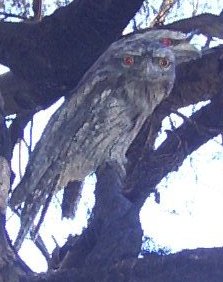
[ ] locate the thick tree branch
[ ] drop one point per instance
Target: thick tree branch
(40, 55)
(190, 265)
(10, 265)
(112, 213)
(54, 54)
(17, 94)
(208, 24)
(205, 124)
(196, 81)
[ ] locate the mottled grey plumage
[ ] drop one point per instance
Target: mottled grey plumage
(104, 114)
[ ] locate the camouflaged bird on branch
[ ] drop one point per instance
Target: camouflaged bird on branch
(103, 116)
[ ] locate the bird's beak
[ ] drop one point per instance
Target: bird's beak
(185, 52)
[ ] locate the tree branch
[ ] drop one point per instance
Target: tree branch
(208, 24)
(196, 81)
(187, 266)
(47, 75)
(154, 165)
(40, 54)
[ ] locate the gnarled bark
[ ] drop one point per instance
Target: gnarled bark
(51, 56)
(47, 60)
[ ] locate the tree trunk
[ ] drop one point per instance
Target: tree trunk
(47, 60)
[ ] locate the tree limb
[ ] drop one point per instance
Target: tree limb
(187, 266)
(154, 165)
(208, 24)
(57, 74)
(54, 54)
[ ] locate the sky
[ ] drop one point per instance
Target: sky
(190, 209)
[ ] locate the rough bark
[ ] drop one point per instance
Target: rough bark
(51, 56)
(108, 249)
(154, 165)
(40, 58)
(27, 93)
(207, 24)
(53, 73)
(112, 214)
(195, 82)
(10, 264)
(200, 265)
(6, 257)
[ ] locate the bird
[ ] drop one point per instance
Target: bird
(104, 113)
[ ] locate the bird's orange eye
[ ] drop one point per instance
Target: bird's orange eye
(128, 60)
(164, 62)
(166, 41)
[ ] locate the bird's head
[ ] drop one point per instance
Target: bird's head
(143, 64)
(146, 62)
(152, 53)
